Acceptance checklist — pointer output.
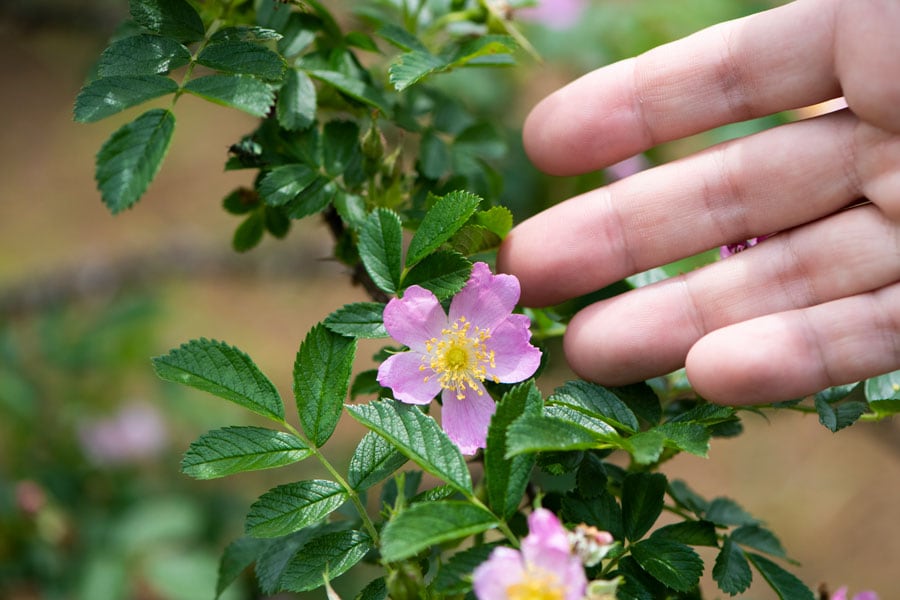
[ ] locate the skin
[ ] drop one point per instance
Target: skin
(816, 305)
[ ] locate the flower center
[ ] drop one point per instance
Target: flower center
(459, 358)
(536, 586)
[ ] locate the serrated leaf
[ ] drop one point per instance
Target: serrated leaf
(732, 571)
(690, 437)
(537, 433)
(419, 437)
(884, 392)
(444, 273)
(472, 239)
(232, 450)
(434, 156)
(759, 538)
(296, 107)
(421, 526)
(172, 18)
(414, 66)
(271, 564)
(249, 58)
(276, 222)
(131, 157)
(400, 37)
(284, 183)
(725, 512)
(507, 479)
(603, 512)
(239, 555)
(454, 576)
(641, 399)
(597, 426)
(487, 49)
(340, 146)
(374, 590)
(785, 584)
(355, 88)
(837, 417)
(642, 502)
(646, 447)
(707, 414)
(381, 248)
(321, 381)
(224, 371)
(250, 232)
(142, 54)
(313, 199)
(687, 498)
(293, 506)
(245, 33)
(497, 219)
(107, 96)
(373, 461)
(442, 220)
(692, 533)
(359, 320)
(332, 553)
(836, 393)
(595, 400)
(243, 92)
(674, 564)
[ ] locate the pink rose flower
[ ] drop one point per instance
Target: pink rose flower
(555, 14)
(545, 567)
(454, 354)
(841, 594)
(729, 249)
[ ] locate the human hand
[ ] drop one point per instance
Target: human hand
(816, 305)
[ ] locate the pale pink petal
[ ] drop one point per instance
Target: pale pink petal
(466, 421)
(402, 374)
(492, 578)
(867, 595)
(515, 359)
(547, 549)
(487, 299)
(840, 594)
(415, 318)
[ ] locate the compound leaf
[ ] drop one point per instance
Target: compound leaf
(232, 450)
(426, 524)
(293, 506)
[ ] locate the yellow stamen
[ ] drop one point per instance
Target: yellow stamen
(458, 359)
(536, 586)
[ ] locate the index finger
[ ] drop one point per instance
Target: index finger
(768, 62)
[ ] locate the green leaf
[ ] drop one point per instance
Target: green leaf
(313, 199)
(400, 37)
(276, 222)
(589, 422)
(296, 107)
(454, 576)
(340, 146)
(646, 447)
(333, 554)
(142, 54)
(414, 66)
(243, 92)
(442, 220)
(249, 58)
(273, 561)
(507, 479)
(487, 49)
(293, 506)
(250, 232)
(537, 433)
(355, 88)
(131, 158)
(472, 239)
(109, 95)
(239, 555)
(232, 450)
(497, 219)
(759, 538)
(725, 512)
(321, 381)
(690, 437)
(244, 33)
(224, 371)
(381, 248)
(687, 498)
(434, 156)
(172, 18)
(731, 570)
(596, 401)
(641, 399)
(283, 184)
(836, 393)
(373, 460)
(785, 584)
(884, 388)
(642, 502)
(603, 512)
(374, 590)
(672, 563)
(359, 320)
(444, 273)
(692, 533)
(421, 526)
(419, 437)
(836, 417)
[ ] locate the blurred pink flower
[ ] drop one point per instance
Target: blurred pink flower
(627, 167)
(555, 14)
(730, 249)
(545, 567)
(453, 355)
(135, 432)
(841, 594)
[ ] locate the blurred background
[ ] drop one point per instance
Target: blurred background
(92, 503)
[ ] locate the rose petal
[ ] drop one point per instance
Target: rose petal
(515, 359)
(486, 299)
(466, 421)
(415, 318)
(492, 578)
(547, 548)
(402, 373)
